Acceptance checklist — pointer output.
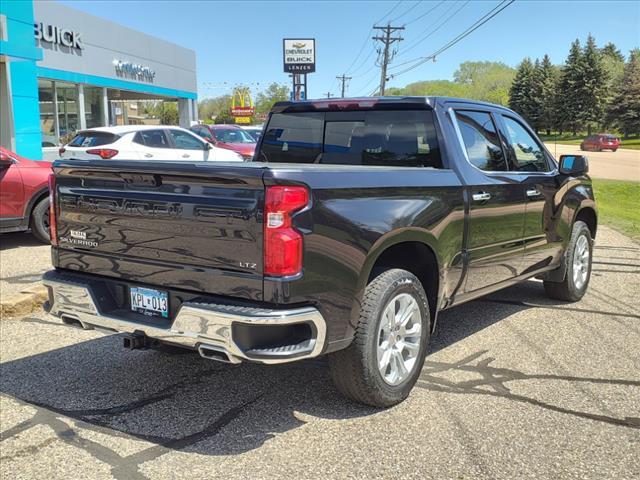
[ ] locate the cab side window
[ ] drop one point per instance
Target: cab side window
(481, 140)
(525, 153)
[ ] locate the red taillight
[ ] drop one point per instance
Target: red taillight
(282, 242)
(53, 228)
(105, 153)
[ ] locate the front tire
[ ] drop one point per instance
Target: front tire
(578, 257)
(384, 361)
(39, 222)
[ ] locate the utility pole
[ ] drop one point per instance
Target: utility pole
(387, 56)
(329, 94)
(344, 79)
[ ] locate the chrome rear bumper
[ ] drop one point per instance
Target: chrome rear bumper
(205, 327)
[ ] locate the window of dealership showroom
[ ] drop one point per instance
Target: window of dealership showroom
(64, 70)
(67, 107)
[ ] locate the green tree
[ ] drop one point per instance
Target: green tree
(169, 113)
(592, 90)
(624, 111)
(544, 86)
(275, 92)
(224, 116)
(522, 91)
(209, 108)
(569, 99)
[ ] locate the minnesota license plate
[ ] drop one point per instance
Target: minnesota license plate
(149, 301)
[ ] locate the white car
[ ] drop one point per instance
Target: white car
(144, 142)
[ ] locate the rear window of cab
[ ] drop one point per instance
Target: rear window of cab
(381, 138)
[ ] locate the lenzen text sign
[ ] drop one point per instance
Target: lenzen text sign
(299, 55)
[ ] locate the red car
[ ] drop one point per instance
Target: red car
(24, 195)
(230, 137)
(601, 141)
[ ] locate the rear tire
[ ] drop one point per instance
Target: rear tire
(578, 256)
(385, 359)
(39, 222)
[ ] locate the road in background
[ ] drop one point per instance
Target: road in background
(516, 386)
(621, 165)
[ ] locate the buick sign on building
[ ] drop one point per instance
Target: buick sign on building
(63, 70)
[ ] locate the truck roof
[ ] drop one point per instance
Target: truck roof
(372, 103)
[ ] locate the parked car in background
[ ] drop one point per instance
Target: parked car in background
(144, 142)
(601, 141)
(24, 195)
(230, 137)
(254, 130)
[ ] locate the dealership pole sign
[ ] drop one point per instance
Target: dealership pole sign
(299, 55)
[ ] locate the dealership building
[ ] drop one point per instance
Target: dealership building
(62, 70)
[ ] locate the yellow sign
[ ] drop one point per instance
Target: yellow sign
(243, 119)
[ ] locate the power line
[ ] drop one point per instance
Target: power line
(438, 27)
(387, 56)
(366, 40)
(394, 20)
(389, 12)
(425, 13)
(484, 19)
(343, 79)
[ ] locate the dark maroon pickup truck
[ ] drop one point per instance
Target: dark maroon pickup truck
(356, 223)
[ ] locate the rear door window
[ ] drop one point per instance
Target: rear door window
(152, 139)
(383, 138)
(93, 139)
(481, 140)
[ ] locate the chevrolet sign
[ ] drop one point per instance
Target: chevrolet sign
(299, 55)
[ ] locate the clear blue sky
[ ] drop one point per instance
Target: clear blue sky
(241, 42)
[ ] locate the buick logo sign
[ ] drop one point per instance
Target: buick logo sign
(58, 36)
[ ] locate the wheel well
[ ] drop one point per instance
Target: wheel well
(588, 216)
(416, 258)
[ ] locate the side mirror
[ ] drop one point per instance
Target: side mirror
(573, 165)
(208, 146)
(6, 160)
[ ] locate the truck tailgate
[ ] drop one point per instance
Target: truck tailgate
(171, 223)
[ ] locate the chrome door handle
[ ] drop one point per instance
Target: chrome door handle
(148, 155)
(481, 196)
(186, 155)
(533, 193)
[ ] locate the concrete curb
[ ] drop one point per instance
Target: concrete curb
(28, 300)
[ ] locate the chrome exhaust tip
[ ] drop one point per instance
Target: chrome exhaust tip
(219, 354)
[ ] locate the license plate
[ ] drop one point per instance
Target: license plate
(149, 302)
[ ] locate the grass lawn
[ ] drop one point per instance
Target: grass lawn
(569, 139)
(618, 205)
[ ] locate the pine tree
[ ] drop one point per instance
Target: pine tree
(544, 86)
(624, 112)
(521, 92)
(569, 98)
(593, 88)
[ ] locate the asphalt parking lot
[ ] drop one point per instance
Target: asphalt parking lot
(516, 386)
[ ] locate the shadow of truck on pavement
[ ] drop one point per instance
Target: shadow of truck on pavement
(183, 402)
